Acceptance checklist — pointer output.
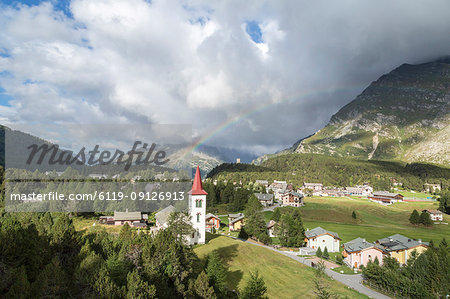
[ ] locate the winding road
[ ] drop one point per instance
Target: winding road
(353, 281)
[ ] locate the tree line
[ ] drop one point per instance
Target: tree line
(42, 255)
(333, 171)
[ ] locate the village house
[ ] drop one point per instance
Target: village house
(321, 238)
(265, 199)
(401, 247)
(278, 188)
(212, 221)
(292, 198)
(332, 193)
(271, 228)
(386, 198)
(359, 252)
(235, 221)
(364, 190)
(313, 186)
(435, 215)
(162, 217)
(106, 220)
(431, 188)
(262, 183)
(132, 218)
(98, 176)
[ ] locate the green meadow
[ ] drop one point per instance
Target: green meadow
(283, 276)
(374, 221)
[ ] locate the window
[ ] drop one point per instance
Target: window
(198, 203)
(198, 217)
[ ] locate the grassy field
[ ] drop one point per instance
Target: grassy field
(374, 221)
(418, 195)
(284, 277)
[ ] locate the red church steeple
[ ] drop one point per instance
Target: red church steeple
(197, 188)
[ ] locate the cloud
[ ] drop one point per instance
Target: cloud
(282, 67)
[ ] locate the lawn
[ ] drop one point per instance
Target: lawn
(374, 221)
(345, 270)
(418, 195)
(284, 277)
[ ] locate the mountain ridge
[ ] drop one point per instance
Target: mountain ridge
(404, 115)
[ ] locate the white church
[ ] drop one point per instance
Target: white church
(197, 209)
(197, 212)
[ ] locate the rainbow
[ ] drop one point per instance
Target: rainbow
(236, 119)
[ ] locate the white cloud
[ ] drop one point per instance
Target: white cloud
(134, 61)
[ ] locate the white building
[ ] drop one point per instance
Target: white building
(321, 238)
(435, 215)
(364, 190)
(197, 209)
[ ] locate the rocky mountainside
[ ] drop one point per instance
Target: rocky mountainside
(404, 115)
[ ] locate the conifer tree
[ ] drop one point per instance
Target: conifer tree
(414, 218)
(202, 287)
(319, 252)
(216, 272)
(325, 254)
(255, 288)
(425, 219)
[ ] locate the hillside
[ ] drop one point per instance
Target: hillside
(279, 272)
(404, 115)
(334, 171)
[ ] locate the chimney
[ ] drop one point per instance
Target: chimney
(126, 211)
(364, 240)
(391, 240)
(420, 241)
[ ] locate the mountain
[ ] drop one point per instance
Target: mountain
(404, 115)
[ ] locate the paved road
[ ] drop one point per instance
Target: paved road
(353, 281)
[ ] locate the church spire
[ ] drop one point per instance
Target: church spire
(197, 188)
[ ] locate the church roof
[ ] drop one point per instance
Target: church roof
(197, 188)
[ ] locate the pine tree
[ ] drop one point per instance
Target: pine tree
(414, 218)
(319, 252)
(216, 272)
(202, 288)
(276, 215)
(21, 286)
(138, 288)
(325, 254)
(255, 288)
(425, 219)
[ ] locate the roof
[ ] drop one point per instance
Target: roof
(433, 211)
(385, 193)
(399, 242)
(357, 245)
(197, 188)
(294, 193)
(163, 216)
(209, 215)
(271, 224)
(318, 231)
(235, 215)
(120, 216)
(237, 219)
(312, 184)
(264, 196)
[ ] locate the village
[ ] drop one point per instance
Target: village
(319, 244)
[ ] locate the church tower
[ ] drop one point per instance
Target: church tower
(197, 209)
